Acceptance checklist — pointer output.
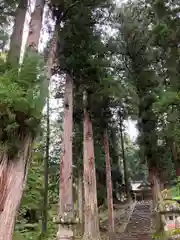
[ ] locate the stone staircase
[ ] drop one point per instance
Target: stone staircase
(139, 226)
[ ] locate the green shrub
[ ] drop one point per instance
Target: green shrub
(20, 101)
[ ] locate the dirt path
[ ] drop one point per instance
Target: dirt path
(139, 226)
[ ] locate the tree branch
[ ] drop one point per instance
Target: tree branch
(67, 10)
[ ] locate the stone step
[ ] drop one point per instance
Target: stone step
(139, 226)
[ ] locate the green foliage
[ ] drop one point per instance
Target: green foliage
(31, 203)
(32, 198)
(139, 73)
(175, 191)
(166, 33)
(161, 32)
(136, 170)
(20, 101)
(33, 232)
(80, 38)
(159, 236)
(149, 60)
(166, 100)
(29, 226)
(134, 37)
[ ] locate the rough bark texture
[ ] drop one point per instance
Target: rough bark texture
(91, 221)
(16, 38)
(109, 188)
(50, 58)
(162, 180)
(14, 172)
(156, 195)
(80, 203)
(175, 156)
(52, 53)
(124, 160)
(155, 184)
(35, 25)
(156, 187)
(80, 199)
(66, 191)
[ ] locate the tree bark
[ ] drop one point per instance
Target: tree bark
(80, 202)
(176, 159)
(156, 195)
(155, 184)
(46, 167)
(15, 174)
(162, 178)
(17, 35)
(50, 62)
(35, 25)
(109, 188)
(66, 189)
(91, 221)
(124, 159)
(80, 199)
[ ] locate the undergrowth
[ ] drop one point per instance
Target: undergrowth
(20, 101)
(165, 235)
(35, 233)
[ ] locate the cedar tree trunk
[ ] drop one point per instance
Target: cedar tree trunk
(109, 187)
(80, 199)
(66, 188)
(16, 37)
(80, 202)
(156, 195)
(91, 221)
(35, 25)
(13, 172)
(124, 159)
(176, 159)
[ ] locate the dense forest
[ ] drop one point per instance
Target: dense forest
(72, 74)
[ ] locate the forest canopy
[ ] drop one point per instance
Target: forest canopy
(66, 95)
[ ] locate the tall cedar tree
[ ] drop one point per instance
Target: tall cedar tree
(135, 34)
(14, 165)
(75, 55)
